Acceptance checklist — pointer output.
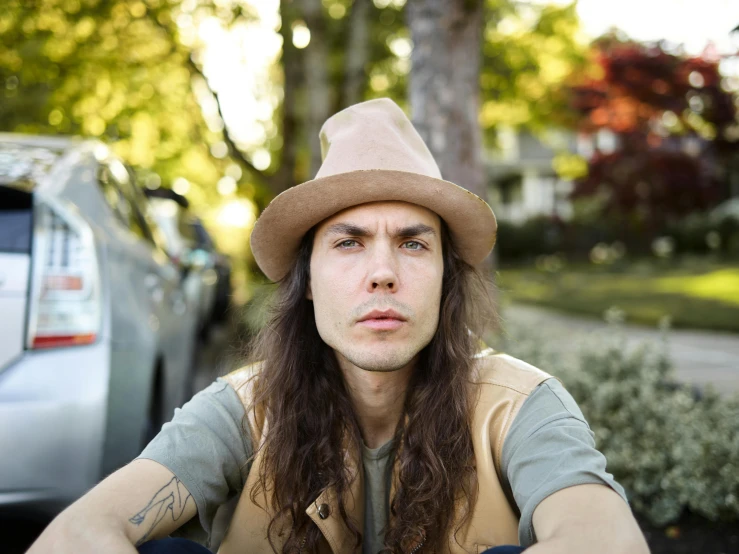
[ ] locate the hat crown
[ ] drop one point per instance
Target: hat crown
(375, 134)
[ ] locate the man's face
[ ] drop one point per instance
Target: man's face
(375, 281)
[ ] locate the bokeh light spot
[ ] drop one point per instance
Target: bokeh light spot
(219, 150)
(56, 117)
(181, 186)
(337, 11)
(301, 35)
(696, 79)
(261, 159)
(226, 186)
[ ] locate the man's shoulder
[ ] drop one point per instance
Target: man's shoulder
(497, 371)
(243, 379)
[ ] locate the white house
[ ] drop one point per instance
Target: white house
(521, 175)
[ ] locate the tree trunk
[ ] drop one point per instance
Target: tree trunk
(444, 91)
(316, 79)
(444, 85)
(294, 79)
(444, 88)
(357, 54)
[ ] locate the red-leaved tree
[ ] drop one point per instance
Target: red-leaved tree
(676, 129)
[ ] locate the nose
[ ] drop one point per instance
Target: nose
(383, 271)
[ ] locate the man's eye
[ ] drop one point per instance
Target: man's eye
(413, 245)
(347, 243)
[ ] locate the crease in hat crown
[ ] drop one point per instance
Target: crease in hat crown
(375, 134)
(371, 152)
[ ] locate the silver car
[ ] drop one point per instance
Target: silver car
(95, 336)
(178, 225)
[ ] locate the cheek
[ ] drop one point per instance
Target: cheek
(424, 278)
(331, 296)
(432, 294)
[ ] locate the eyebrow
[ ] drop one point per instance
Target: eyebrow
(357, 231)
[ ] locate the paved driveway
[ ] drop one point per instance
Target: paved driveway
(699, 357)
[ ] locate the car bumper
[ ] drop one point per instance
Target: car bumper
(52, 422)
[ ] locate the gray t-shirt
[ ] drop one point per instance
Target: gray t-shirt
(377, 475)
(549, 447)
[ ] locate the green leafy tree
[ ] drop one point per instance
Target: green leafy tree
(110, 70)
(530, 52)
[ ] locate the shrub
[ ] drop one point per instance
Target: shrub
(670, 446)
(696, 234)
(535, 237)
(690, 233)
(702, 234)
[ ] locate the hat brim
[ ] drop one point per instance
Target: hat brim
(277, 234)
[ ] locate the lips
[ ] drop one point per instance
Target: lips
(382, 314)
(382, 320)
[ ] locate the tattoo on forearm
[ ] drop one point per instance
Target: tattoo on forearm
(171, 497)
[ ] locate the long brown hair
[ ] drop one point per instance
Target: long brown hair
(311, 417)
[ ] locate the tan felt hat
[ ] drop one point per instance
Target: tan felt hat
(371, 152)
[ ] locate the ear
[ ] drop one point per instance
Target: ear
(308, 291)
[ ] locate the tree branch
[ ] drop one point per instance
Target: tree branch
(272, 181)
(233, 150)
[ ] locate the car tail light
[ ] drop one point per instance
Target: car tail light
(65, 288)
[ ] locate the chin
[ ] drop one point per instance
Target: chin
(381, 359)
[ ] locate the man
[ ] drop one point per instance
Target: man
(372, 418)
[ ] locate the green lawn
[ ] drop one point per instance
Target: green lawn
(700, 297)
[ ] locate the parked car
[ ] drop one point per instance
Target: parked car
(93, 321)
(222, 266)
(183, 244)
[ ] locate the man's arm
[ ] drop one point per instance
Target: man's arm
(139, 502)
(550, 459)
(584, 519)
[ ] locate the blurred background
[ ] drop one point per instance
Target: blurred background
(140, 139)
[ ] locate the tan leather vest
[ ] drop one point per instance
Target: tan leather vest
(501, 384)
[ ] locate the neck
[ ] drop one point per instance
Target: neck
(378, 398)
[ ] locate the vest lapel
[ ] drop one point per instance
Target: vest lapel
(324, 511)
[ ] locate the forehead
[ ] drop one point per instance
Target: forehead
(393, 213)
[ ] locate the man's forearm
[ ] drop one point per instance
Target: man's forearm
(586, 542)
(69, 534)
(139, 502)
(584, 519)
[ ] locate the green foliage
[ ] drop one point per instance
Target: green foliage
(669, 447)
(544, 236)
(387, 72)
(108, 69)
(121, 70)
(529, 52)
(696, 234)
(534, 237)
(702, 234)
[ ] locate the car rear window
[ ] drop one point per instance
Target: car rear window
(21, 167)
(16, 220)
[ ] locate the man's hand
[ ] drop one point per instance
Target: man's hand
(584, 519)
